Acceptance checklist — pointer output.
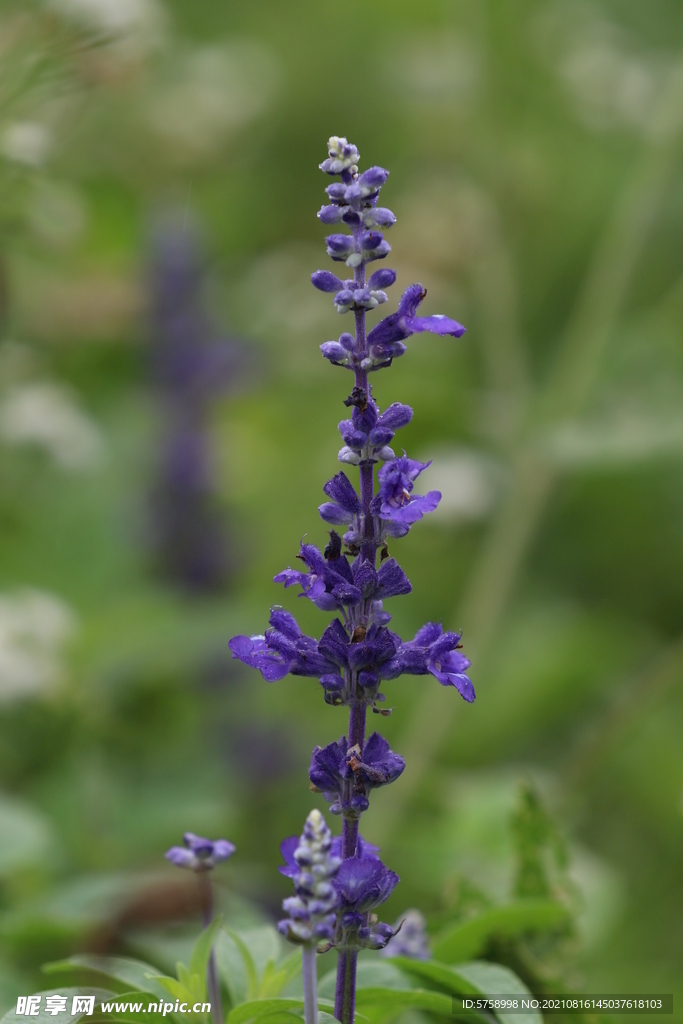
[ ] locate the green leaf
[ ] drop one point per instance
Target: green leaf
(258, 1008)
(194, 983)
(45, 1018)
(202, 950)
(249, 965)
(276, 978)
(133, 973)
(477, 978)
(385, 1004)
(262, 943)
(132, 1015)
(467, 939)
(174, 987)
(372, 973)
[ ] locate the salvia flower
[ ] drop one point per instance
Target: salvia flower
(311, 916)
(199, 854)
(395, 499)
(404, 322)
(283, 649)
(437, 652)
(362, 885)
(410, 937)
(345, 776)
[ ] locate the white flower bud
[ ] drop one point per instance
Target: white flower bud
(347, 454)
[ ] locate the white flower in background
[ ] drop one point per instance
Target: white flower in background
(133, 26)
(469, 483)
(612, 82)
(26, 142)
(214, 90)
(34, 626)
(442, 67)
(118, 17)
(46, 415)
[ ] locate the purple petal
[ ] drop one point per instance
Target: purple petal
(341, 490)
(428, 634)
(285, 623)
(241, 646)
(437, 324)
(410, 300)
(222, 849)
(181, 857)
(287, 848)
(414, 509)
(333, 514)
(461, 683)
(392, 579)
(290, 577)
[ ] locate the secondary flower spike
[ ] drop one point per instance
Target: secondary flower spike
(310, 912)
(349, 573)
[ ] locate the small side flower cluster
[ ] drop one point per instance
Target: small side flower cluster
(357, 651)
(199, 854)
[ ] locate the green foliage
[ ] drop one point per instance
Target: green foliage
(466, 939)
(543, 210)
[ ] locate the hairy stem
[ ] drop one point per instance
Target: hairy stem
(212, 984)
(309, 971)
(345, 992)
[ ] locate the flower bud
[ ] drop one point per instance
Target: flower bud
(379, 217)
(325, 281)
(343, 156)
(333, 351)
(343, 300)
(339, 246)
(383, 278)
(372, 179)
(330, 214)
(347, 454)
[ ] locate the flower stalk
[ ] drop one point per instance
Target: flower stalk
(201, 856)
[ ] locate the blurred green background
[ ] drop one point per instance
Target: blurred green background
(535, 156)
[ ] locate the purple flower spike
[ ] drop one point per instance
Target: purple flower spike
(357, 651)
(199, 854)
(345, 778)
(404, 322)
